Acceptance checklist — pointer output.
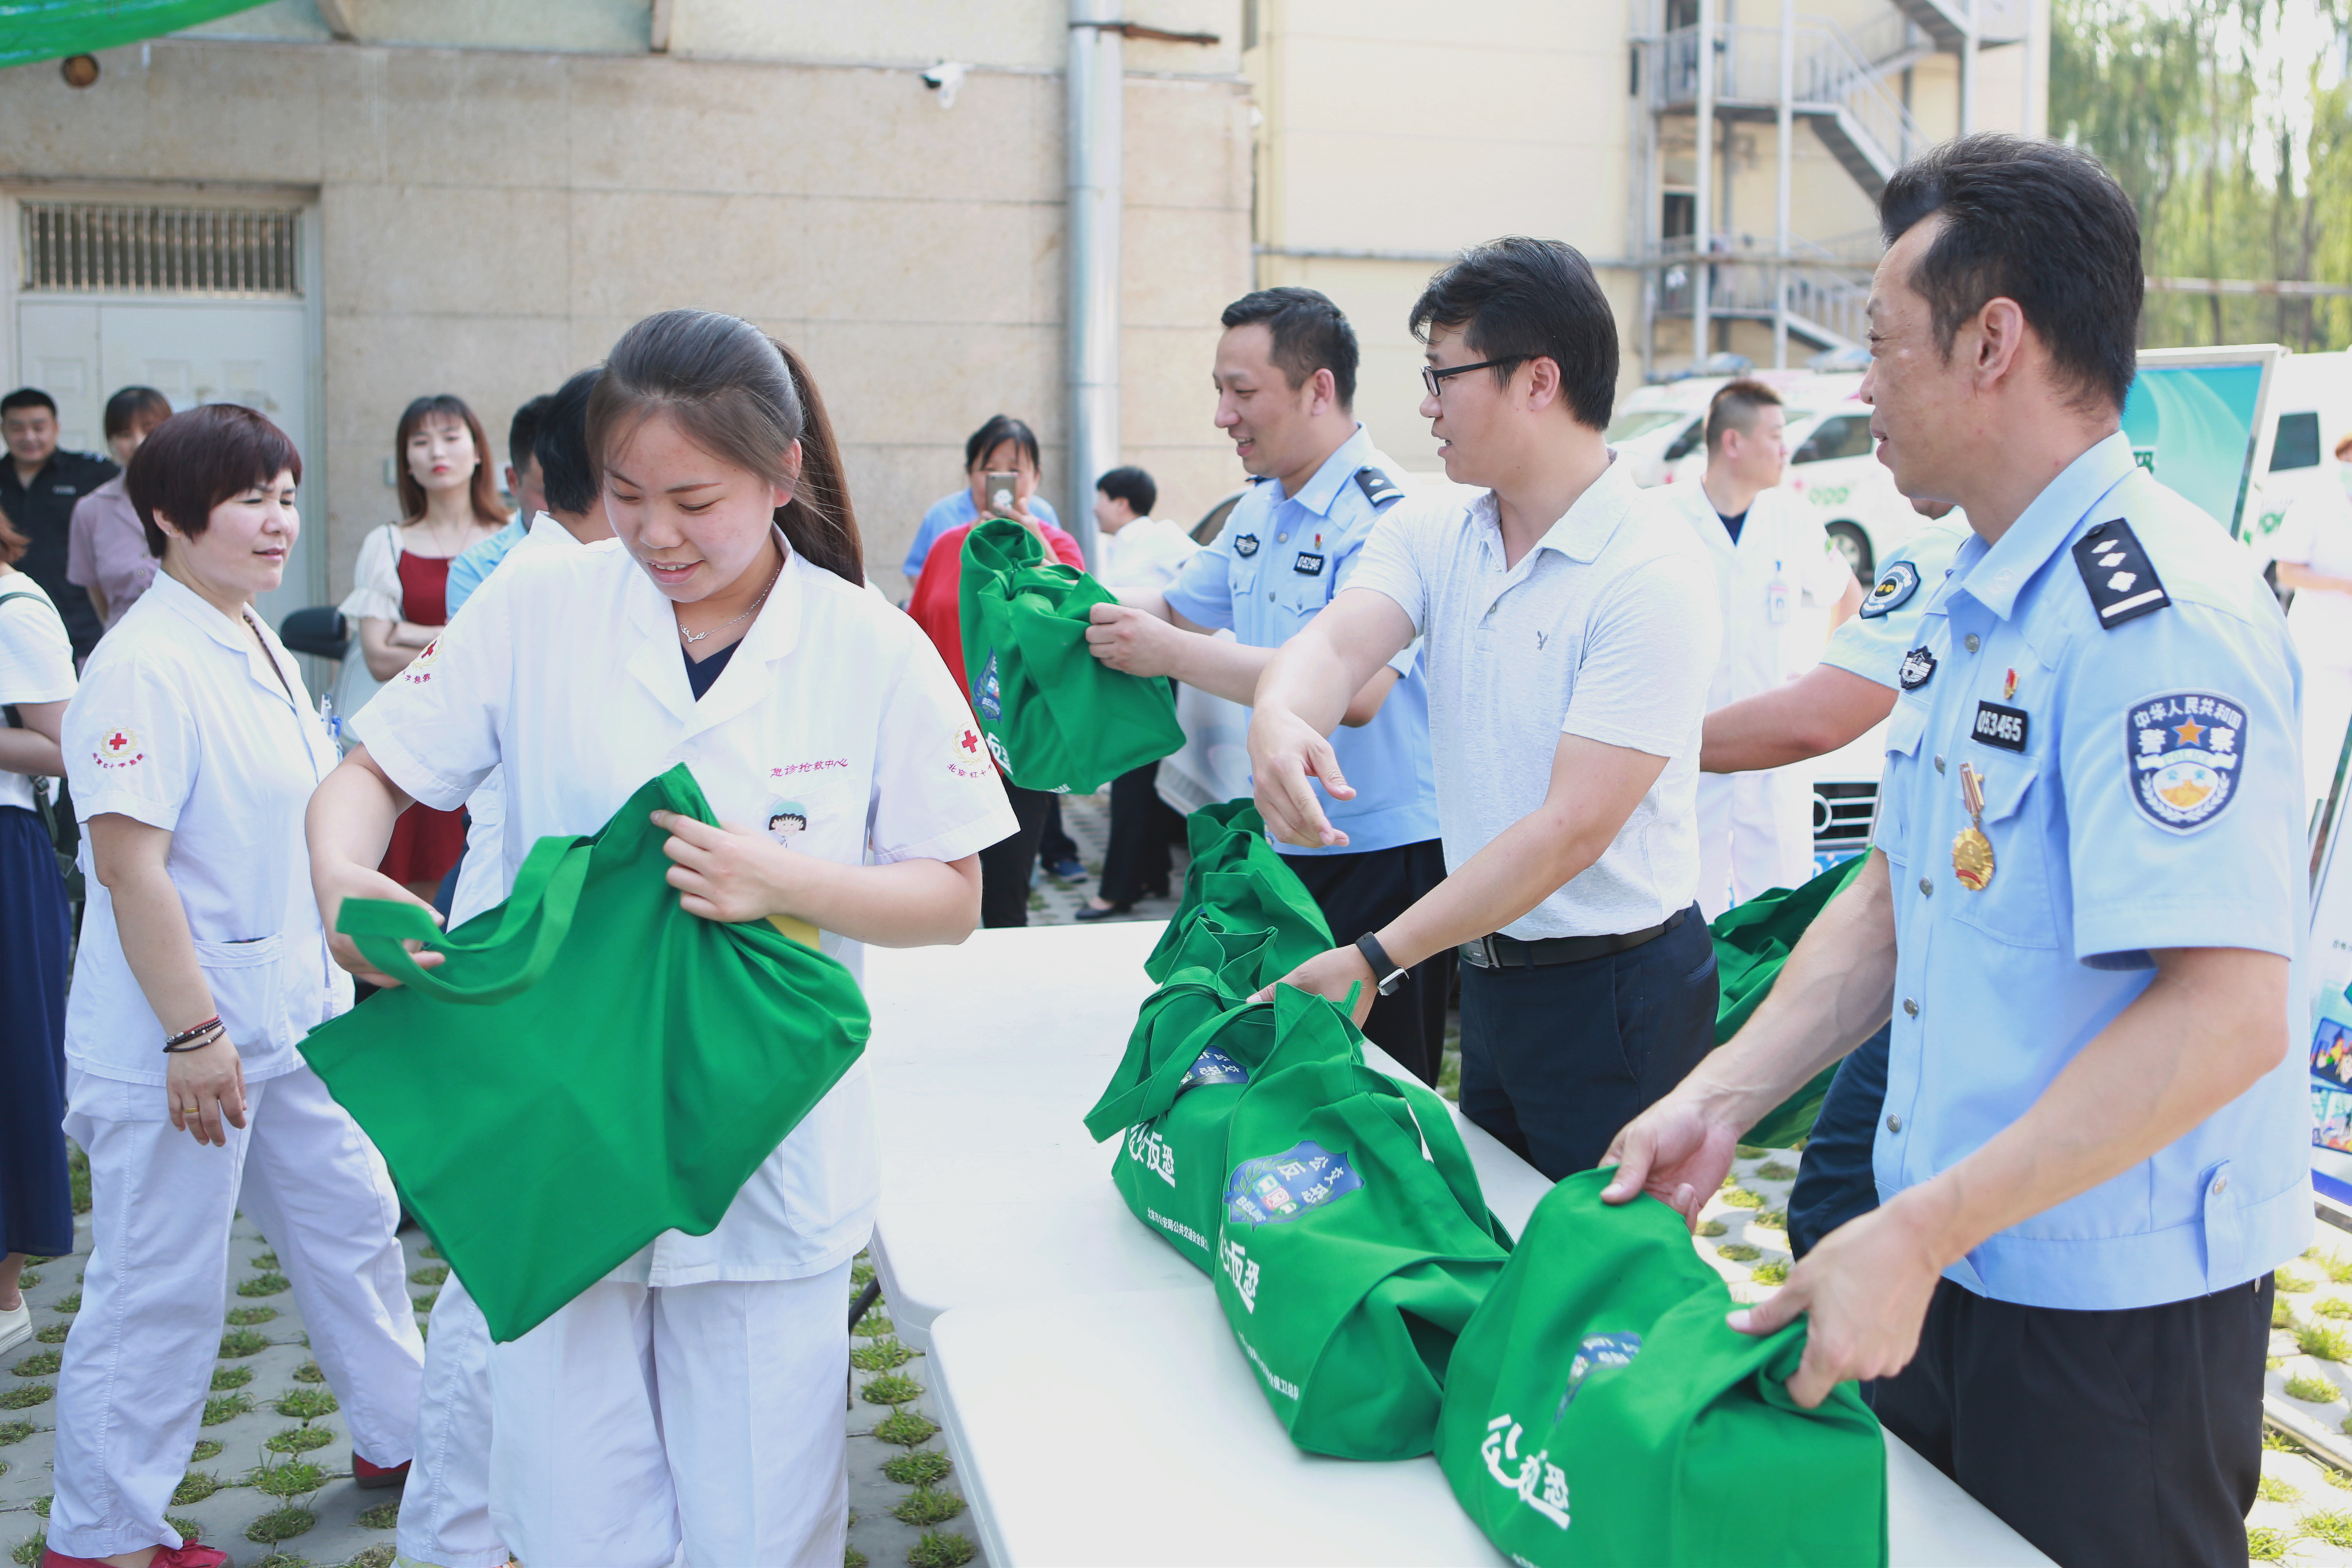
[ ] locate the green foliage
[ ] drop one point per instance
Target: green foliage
(248, 1317)
(890, 1389)
(2332, 1307)
(1713, 1227)
(265, 1261)
(28, 1278)
(938, 1550)
(2338, 1270)
(2326, 1344)
(40, 1364)
(2335, 1478)
(926, 1467)
(14, 1432)
(2293, 1284)
(851, 1558)
(1775, 1272)
(262, 1285)
(925, 1506)
(78, 1177)
(1739, 1252)
(382, 1555)
(226, 1407)
(1748, 1151)
(296, 1477)
(2311, 1390)
(1741, 1199)
(2277, 1442)
(53, 1333)
(207, 1449)
(298, 1440)
(25, 1397)
(28, 1552)
(2264, 1545)
(69, 1303)
(2271, 1488)
(860, 1272)
(306, 1404)
(875, 1326)
(309, 1372)
(905, 1428)
(1773, 1170)
(281, 1524)
(1771, 1219)
(382, 1516)
(239, 1342)
(228, 1377)
(429, 1250)
(187, 1527)
(880, 1356)
(431, 1274)
(2333, 1525)
(194, 1487)
(2282, 1315)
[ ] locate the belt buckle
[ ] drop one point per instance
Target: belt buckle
(1486, 948)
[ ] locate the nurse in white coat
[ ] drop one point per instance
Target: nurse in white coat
(192, 749)
(1773, 562)
(2313, 548)
(694, 1394)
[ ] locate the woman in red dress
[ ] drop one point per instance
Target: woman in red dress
(449, 502)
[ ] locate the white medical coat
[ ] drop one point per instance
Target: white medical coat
(1783, 558)
(566, 668)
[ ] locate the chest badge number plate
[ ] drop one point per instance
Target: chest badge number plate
(1307, 565)
(1972, 851)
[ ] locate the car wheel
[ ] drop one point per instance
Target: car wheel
(1855, 545)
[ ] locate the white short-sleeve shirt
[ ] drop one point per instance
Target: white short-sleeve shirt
(36, 662)
(183, 723)
(834, 720)
(1607, 630)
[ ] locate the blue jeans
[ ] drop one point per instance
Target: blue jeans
(1834, 1180)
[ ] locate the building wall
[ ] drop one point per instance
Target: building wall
(492, 217)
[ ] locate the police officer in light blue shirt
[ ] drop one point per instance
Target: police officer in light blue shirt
(1285, 375)
(2085, 908)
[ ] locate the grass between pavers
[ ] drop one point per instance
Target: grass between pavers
(920, 1468)
(2322, 1342)
(881, 1356)
(905, 1428)
(2267, 1544)
(2332, 1525)
(890, 1389)
(225, 1378)
(251, 1317)
(305, 1404)
(27, 1395)
(298, 1440)
(226, 1407)
(2311, 1390)
(938, 1549)
(14, 1432)
(280, 1524)
(382, 1516)
(53, 1333)
(238, 1344)
(926, 1505)
(40, 1364)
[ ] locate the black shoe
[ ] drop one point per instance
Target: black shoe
(1070, 870)
(1088, 912)
(1159, 891)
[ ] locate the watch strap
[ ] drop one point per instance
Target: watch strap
(1387, 973)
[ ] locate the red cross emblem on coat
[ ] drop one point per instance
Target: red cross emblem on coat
(971, 741)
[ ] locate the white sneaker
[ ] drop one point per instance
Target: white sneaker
(15, 1327)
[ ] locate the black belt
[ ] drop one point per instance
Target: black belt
(1500, 952)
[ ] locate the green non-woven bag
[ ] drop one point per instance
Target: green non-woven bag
(1598, 1410)
(1055, 717)
(1353, 1243)
(589, 1065)
(1238, 879)
(1752, 942)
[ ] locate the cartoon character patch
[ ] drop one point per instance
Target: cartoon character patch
(1894, 591)
(118, 747)
(787, 820)
(2183, 748)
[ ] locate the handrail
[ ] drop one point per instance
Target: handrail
(1829, 71)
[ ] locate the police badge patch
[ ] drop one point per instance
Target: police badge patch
(1917, 665)
(1246, 545)
(2183, 748)
(1894, 591)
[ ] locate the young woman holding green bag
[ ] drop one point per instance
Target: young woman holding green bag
(693, 1394)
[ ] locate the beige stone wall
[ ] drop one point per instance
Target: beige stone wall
(492, 220)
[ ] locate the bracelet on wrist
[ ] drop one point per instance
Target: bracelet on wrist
(189, 1034)
(179, 1047)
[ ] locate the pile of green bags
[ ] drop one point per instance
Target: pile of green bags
(589, 1065)
(1055, 717)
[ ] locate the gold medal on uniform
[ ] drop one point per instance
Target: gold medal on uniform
(1972, 851)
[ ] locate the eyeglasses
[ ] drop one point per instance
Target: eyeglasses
(1431, 377)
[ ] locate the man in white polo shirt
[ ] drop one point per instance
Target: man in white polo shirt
(1569, 628)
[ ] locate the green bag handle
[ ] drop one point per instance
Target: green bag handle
(546, 888)
(1140, 1103)
(1450, 1156)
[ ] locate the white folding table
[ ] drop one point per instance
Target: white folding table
(1093, 1401)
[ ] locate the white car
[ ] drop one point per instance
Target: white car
(1833, 463)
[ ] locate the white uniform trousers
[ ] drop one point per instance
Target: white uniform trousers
(1755, 834)
(445, 1511)
(640, 1416)
(140, 1359)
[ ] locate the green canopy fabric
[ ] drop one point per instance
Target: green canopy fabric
(50, 30)
(1598, 1410)
(590, 1067)
(1055, 717)
(1752, 940)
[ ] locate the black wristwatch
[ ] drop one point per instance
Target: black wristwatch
(1387, 973)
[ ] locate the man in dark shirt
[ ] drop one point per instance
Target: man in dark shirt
(38, 486)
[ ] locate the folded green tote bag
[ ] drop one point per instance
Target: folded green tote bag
(590, 1067)
(1239, 878)
(1353, 1242)
(1598, 1410)
(1752, 940)
(1055, 717)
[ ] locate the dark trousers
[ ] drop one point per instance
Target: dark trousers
(1004, 865)
(35, 1194)
(1054, 844)
(1142, 827)
(1556, 1059)
(1363, 892)
(2132, 1438)
(1834, 1179)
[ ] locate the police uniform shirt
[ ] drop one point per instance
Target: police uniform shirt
(43, 513)
(2119, 677)
(1871, 642)
(1271, 568)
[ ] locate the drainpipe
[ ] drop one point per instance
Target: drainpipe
(1783, 129)
(1969, 48)
(1703, 197)
(1097, 84)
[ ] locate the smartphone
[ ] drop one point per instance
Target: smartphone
(1000, 488)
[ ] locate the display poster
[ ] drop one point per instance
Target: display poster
(2196, 419)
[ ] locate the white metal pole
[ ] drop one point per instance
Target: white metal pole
(1703, 220)
(1786, 128)
(1096, 87)
(1968, 73)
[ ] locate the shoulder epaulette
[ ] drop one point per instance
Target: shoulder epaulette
(2122, 585)
(1379, 489)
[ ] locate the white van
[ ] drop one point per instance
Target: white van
(2311, 410)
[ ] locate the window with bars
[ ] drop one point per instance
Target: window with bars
(88, 248)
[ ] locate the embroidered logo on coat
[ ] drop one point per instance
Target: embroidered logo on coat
(2184, 749)
(1894, 591)
(118, 747)
(420, 669)
(1246, 545)
(1917, 665)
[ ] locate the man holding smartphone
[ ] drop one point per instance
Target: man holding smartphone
(1286, 380)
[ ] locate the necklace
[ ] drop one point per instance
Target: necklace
(690, 639)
